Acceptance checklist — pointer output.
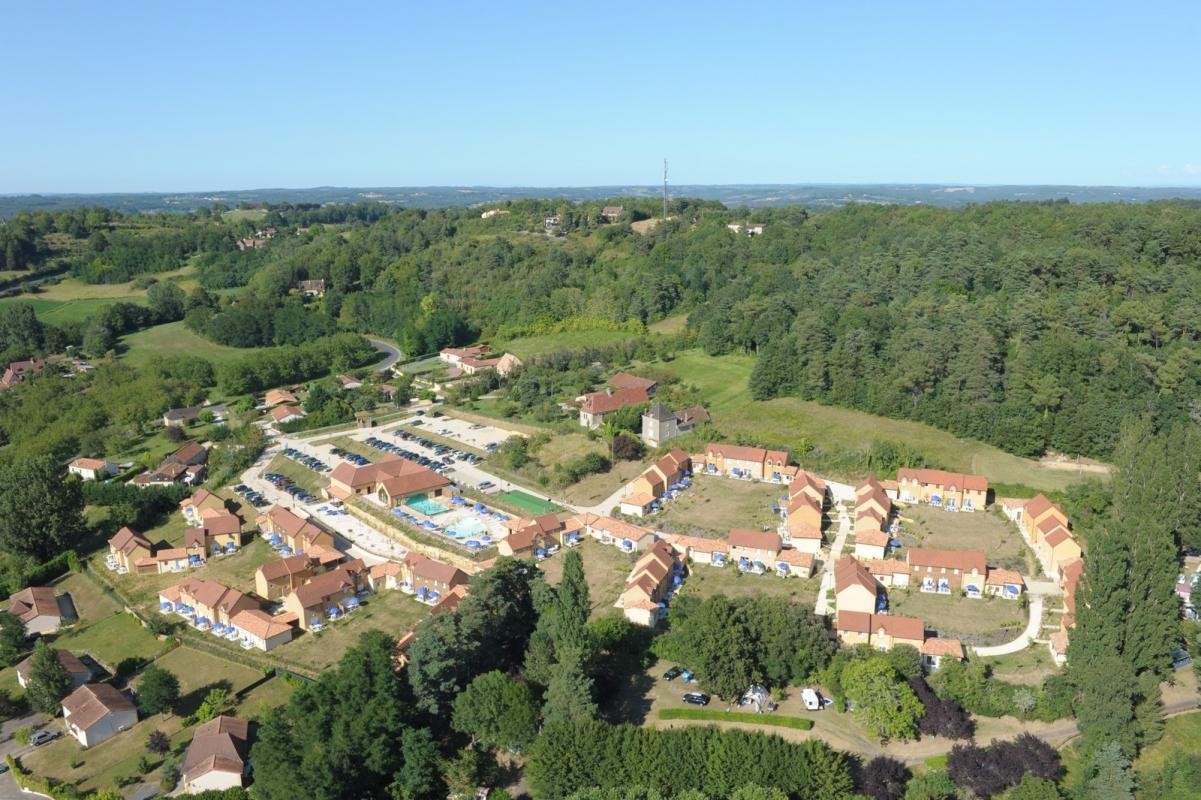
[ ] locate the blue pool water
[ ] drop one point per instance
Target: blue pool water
(426, 506)
(467, 526)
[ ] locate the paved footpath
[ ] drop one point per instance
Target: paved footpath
(1026, 639)
(840, 539)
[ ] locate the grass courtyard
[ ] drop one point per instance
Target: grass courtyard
(714, 505)
(799, 425)
(982, 621)
(924, 526)
(707, 581)
(605, 570)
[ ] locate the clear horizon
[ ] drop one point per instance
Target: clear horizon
(120, 100)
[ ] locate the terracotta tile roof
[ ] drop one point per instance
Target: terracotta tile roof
(795, 558)
(385, 569)
(604, 402)
(899, 627)
(697, 543)
(433, 570)
(293, 526)
(799, 529)
(642, 499)
(326, 585)
(872, 538)
(1058, 536)
(939, 477)
(740, 452)
(188, 453)
(1003, 577)
(281, 413)
(937, 646)
(92, 702)
(89, 463)
(854, 622)
(218, 745)
(127, 540)
(754, 540)
(624, 380)
(283, 567)
(886, 566)
(962, 560)
(34, 602)
(69, 660)
(848, 571)
(257, 622)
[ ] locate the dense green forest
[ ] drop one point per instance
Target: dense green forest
(1028, 326)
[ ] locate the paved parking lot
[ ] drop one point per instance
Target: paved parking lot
(475, 435)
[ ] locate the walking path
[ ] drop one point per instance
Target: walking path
(840, 539)
(1026, 639)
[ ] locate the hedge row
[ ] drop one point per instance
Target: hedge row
(797, 723)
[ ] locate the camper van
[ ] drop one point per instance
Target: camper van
(811, 700)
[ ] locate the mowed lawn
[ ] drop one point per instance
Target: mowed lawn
(172, 340)
(605, 570)
(111, 641)
(1182, 733)
(392, 612)
(704, 581)
(798, 424)
(982, 621)
(925, 526)
(529, 346)
(715, 505)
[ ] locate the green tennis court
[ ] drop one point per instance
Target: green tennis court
(527, 502)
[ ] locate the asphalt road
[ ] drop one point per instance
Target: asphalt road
(9, 746)
(391, 354)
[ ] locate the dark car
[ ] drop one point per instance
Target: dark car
(696, 699)
(672, 674)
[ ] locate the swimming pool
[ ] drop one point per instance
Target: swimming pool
(466, 526)
(426, 506)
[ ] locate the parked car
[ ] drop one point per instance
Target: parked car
(696, 699)
(672, 674)
(485, 485)
(43, 737)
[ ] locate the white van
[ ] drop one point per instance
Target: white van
(811, 700)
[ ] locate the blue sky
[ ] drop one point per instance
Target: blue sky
(187, 96)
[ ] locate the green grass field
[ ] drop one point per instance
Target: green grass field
(605, 570)
(112, 641)
(529, 346)
(708, 581)
(173, 339)
(799, 425)
(1182, 733)
(715, 505)
(527, 502)
(766, 720)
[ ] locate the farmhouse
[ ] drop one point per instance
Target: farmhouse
(880, 631)
(282, 415)
(699, 550)
(258, 629)
(281, 527)
(185, 465)
(78, 671)
(748, 463)
(279, 397)
(855, 589)
(219, 532)
(625, 536)
(216, 758)
(19, 371)
(392, 480)
(945, 571)
(1004, 583)
(201, 503)
(40, 609)
(92, 469)
(205, 600)
(428, 579)
(935, 649)
(612, 213)
(453, 355)
(753, 549)
(644, 598)
(96, 712)
(349, 382)
(594, 406)
(948, 490)
(313, 287)
(128, 547)
(178, 417)
(658, 478)
(328, 595)
(660, 425)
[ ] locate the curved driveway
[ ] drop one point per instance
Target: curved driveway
(1026, 639)
(391, 354)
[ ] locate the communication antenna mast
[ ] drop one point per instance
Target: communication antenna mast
(665, 189)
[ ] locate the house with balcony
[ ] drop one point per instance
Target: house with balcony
(947, 571)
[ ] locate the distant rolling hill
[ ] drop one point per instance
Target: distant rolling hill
(814, 196)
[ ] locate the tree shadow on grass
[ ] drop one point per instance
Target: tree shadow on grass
(190, 702)
(628, 700)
